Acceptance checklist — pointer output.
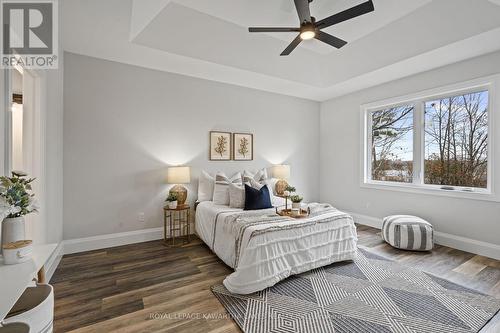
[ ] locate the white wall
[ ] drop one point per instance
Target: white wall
(340, 159)
(124, 125)
(54, 153)
(54, 145)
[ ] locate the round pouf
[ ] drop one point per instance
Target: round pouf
(408, 232)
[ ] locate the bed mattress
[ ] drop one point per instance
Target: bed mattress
(264, 248)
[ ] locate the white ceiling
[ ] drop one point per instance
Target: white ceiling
(209, 39)
(282, 13)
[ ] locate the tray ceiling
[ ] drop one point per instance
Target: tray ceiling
(209, 39)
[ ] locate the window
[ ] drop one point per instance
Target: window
(456, 140)
(392, 144)
(438, 140)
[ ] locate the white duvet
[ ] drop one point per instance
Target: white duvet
(264, 248)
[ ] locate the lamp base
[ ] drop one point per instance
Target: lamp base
(181, 193)
(281, 186)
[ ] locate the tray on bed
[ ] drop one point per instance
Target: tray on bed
(288, 212)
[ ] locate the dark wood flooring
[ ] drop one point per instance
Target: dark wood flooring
(148, 287)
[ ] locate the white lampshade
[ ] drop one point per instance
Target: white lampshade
(179, 175)
(281, 171)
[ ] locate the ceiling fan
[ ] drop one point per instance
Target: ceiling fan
(310, 29)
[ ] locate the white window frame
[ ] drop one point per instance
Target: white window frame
(418, 101)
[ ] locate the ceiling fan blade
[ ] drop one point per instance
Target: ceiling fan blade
(253, 29)
(330, 40)
(292, 46)
(361, 9)
(303, 10)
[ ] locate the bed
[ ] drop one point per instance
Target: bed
(264, 248)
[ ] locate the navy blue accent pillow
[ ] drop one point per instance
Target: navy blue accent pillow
(257, 199)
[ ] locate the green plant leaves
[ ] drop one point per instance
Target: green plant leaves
(15, 191)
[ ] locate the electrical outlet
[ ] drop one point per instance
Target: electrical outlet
(141, 217)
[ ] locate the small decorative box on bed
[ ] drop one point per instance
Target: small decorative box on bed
(297, 214)
(265, 248)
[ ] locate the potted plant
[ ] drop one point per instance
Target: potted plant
(296, 200)
(289, 190)
(172, 200)
(16, 201)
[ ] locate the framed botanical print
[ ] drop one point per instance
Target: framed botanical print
(220, 146)
(242, 146)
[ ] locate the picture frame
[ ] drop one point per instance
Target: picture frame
(243, 146)
(220, 146)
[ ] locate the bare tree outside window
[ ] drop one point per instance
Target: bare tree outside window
(392, 144)
(456, 140)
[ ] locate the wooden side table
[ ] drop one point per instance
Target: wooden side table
(178, 221)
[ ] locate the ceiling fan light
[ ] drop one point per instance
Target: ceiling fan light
(307, 34)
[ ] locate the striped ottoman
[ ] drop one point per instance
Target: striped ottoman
(408, 232)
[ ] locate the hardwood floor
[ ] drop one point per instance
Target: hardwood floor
(148, 287)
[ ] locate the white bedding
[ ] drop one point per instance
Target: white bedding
(265, 248)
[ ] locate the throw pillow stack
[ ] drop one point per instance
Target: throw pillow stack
(248, 190)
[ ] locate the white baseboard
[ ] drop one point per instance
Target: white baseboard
(366, 220)
(441, 238)
(53, 262)
(111, 240)
(468, 245)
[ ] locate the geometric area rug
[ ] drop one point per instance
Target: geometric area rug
(370, 294)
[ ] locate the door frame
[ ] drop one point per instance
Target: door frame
(34, 140)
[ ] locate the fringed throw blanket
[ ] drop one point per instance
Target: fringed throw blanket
(268, 248)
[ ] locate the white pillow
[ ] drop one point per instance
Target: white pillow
(259, 177)
(271, 184)
(236, 196)
(256, 185)
(221, 188)
(206, 185)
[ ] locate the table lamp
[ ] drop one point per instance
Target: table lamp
(177, 176)
(282, 173)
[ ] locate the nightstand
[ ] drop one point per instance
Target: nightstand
(177, 220)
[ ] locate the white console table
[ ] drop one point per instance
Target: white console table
(14, 279)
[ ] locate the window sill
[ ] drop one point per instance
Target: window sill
(430, 190)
